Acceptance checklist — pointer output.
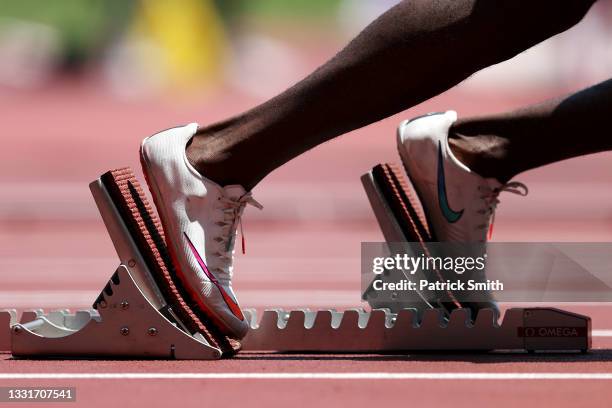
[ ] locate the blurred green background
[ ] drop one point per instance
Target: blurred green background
(190, 40)
(137, 48)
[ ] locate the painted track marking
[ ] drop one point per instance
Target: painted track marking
(307, 376)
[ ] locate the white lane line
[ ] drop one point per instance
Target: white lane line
(601, 333)
(307, 376)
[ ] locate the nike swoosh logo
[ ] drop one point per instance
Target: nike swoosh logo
(450, 215)
(227, 298)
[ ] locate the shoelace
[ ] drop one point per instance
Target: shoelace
(233, 209)
(490, 196)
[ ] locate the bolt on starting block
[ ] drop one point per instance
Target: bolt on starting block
(145, 312)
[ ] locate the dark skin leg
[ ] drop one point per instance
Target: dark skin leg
(501, 146)
(414, 51)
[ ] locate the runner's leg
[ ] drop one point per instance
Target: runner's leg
(416, 50)
(504, 145)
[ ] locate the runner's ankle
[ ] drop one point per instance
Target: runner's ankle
(213, 154)
(486, 155)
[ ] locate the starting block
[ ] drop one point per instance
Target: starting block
(441, 326)
(401, 218)
(145, 312)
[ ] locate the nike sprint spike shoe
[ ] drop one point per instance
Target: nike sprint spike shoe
(459, 204)
(200, 220)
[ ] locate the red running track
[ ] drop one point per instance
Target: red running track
(53, 279)
(303, 250)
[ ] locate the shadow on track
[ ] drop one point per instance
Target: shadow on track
(599, 355)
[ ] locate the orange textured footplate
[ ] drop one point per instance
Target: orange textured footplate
(404, 202)
(146, 230)
(408, 211)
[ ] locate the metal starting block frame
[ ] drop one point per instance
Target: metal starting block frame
(125, 324)
(131, 318)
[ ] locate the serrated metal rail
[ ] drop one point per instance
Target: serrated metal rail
(354, 330)
(531, 329)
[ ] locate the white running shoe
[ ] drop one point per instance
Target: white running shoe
(459, 204)
(200, 220)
